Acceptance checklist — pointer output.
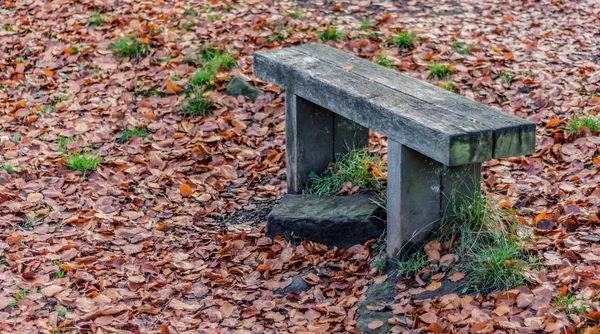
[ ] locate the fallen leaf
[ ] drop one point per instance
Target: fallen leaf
(185, 190)
(433, 286)
(375, 324)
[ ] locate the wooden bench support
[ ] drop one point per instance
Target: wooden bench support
(314, 135)
(420, 191)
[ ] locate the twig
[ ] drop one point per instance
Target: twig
(160, 313)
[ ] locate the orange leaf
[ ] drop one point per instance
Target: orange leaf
(541, 216)
(593, 315)
(564, 291)
(69, 51)
(552, 123)
(348, 68)
(145, 40)
(376, 171)
(436, 328)
(508, 18)
(71, 268)
(173, 87)
(597, 159)
(433, 286)
(14, 238)
(263, 267)
(594, 100)
(495, 49)
(385, 17)
(178, 135)
(185, 190)
(457, 276)
(161, 226)
(49, 73)
(505, 205)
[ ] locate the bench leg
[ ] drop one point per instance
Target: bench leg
(313, 136)
(419, 191)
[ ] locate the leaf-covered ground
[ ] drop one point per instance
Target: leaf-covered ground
(136, 245)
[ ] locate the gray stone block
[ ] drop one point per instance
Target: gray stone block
(237, 87)
(341, 221)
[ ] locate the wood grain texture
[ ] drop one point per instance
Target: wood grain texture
(442, 125)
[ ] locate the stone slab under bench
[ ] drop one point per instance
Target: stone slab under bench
(341, 221)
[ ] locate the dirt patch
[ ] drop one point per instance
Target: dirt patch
(253, 213)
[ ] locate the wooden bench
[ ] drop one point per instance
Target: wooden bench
(437, 139)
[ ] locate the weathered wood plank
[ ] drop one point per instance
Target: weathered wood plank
(513, 136)
(431, 130)
(309, 140)
(414, 195)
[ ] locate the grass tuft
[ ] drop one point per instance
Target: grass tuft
(487, 241)
(18, 296)
(570, 303)
(497, 267)
(62, 312)
(297, 14)
(359, 167)
(384, 61)
(366, 24)
(129, 47)
(198, 105)
(462, 47)
(127, 134)
(82, 161)
(63, 143)
(211, 60)
(450, 86)
(8, 168)
(331, 34)
(507, 77)
(61, 272)
(203, 79)
(96, 20)
(412, 264)
(404, 40)
(440, 71)
(574, 125)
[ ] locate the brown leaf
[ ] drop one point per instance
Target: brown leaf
(594, 101)
(184, 306)
(433, 286)
(85, 305)
(432, 249)
(52, 290)
(457, 276)
(311, 279)
(250, 312)
(501, 310)
(436, 328)
(380, 279)
(375, 324)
